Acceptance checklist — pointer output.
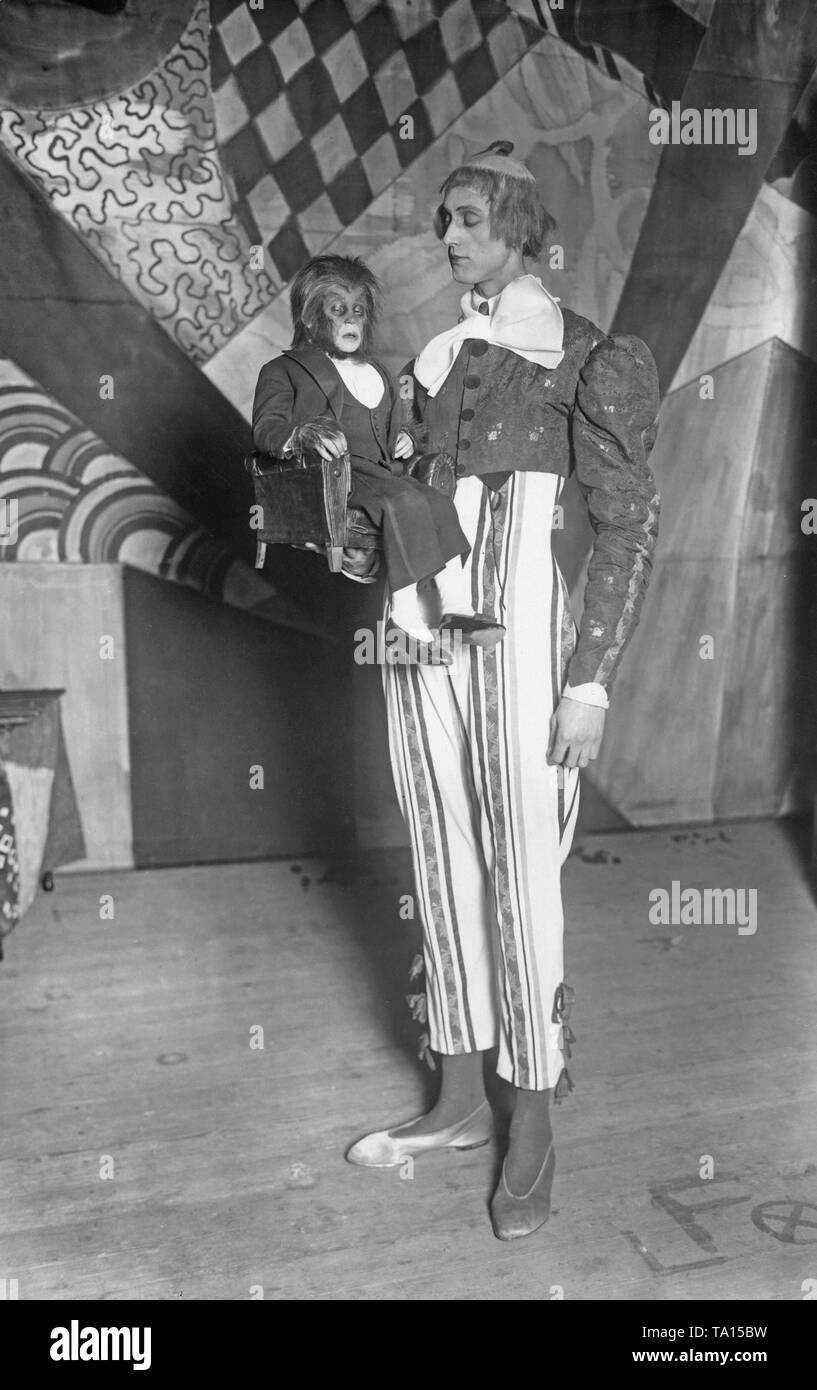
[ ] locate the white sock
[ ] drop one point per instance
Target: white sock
(452, 586)
(407, 613)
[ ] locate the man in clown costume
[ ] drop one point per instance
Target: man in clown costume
(486, 752)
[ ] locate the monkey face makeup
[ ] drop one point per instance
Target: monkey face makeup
(335, 303)
(342, 321)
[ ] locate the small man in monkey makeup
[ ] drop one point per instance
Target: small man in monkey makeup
(328, 393)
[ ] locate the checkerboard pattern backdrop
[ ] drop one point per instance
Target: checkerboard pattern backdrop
(309, 95)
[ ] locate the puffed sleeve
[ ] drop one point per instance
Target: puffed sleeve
(273, 408)
(613, 431)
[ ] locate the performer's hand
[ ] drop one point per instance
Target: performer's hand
(575, 733)
(324, 436)
(404, 446)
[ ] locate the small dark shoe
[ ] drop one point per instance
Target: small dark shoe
(473, 629)
(402, 649)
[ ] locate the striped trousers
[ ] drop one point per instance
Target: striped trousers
(490, 821)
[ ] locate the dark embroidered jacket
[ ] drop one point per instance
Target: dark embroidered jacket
(595, 415)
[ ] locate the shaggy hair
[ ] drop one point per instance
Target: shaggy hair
(517, 216)
(312, 286)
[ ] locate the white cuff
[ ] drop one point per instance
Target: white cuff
(360, 578)
(591, 693)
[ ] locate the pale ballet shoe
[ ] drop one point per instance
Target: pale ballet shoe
(386, 1149)
(512, 1216)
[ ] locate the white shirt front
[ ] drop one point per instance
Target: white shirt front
(362, 380)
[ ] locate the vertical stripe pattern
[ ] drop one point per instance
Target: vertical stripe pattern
(490, 821)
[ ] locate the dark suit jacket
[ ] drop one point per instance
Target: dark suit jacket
(302, 385)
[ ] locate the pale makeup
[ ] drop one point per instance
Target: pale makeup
(475, 255)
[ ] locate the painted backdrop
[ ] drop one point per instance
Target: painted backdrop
(165, 177)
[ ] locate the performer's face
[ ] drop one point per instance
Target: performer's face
(345, 312)
(474, 253)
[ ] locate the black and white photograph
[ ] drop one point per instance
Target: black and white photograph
(408, 663)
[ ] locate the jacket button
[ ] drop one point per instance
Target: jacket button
(467, 414)
(471, 383)
(465, 444)
(479, 349)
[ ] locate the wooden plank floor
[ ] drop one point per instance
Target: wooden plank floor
(129, 1040)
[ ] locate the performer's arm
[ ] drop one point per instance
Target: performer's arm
(273, 409)
(276, 431)
(409, 406)
(613, 431)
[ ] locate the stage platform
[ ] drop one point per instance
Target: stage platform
(153, 1149)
